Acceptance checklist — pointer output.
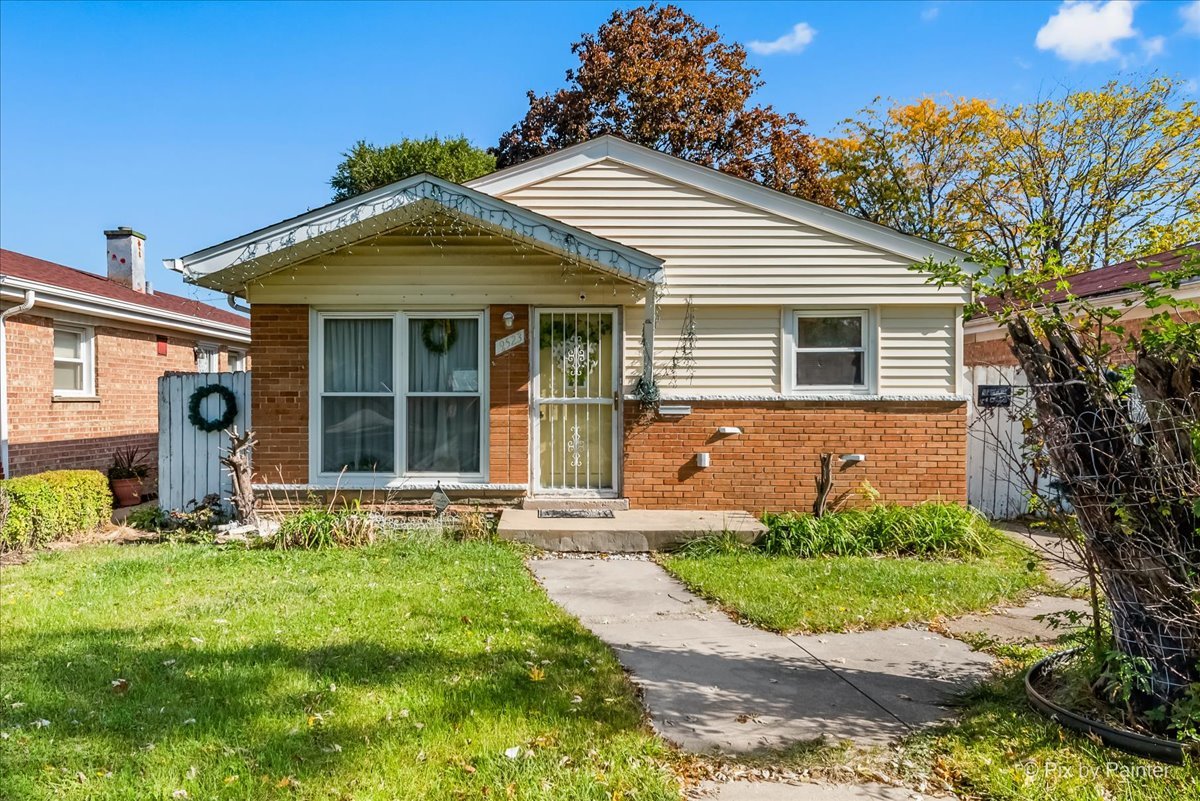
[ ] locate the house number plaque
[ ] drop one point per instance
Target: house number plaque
(505, 344)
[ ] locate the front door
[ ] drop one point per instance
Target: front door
(576, 401)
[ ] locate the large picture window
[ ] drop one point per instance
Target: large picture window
(830, 351)
(401, 394)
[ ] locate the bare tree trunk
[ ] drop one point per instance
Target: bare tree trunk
(824, 485)
(237, 462)
(1131, 476)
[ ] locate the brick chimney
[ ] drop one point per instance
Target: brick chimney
(127, 258)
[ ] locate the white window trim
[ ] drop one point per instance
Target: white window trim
(869, 349)
(87, 357)
(210, 348)
(401, 477)
(240, 355)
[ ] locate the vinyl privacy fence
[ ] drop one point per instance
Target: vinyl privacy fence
(189, 466)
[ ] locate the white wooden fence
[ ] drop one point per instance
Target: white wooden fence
(189, 464)
(995, 435)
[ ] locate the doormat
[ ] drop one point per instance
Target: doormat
(575, 513)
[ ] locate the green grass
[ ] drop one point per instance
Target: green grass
(847, 593)
(1000, 749)
(402, 670)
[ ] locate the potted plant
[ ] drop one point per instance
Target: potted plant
(126, 473)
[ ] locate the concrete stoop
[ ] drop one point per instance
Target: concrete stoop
(612, 504)
(632, 530)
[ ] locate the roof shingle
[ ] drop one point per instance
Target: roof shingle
(47, 272)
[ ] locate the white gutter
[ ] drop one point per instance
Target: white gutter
(86, 303)
(24, 306)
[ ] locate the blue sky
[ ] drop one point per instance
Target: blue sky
(197, 122)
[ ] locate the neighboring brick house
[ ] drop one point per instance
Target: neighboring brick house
(497, 338)
(82, 354)
(986, 344)
(998, 480)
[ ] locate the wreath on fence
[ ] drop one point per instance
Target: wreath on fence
(221, 423)
(447, 340)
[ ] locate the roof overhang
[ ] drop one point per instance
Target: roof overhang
(229, 266)
(50, 296)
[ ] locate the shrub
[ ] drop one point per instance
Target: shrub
(927, 529)
(316, 528)
(474, 524)
(48, 506)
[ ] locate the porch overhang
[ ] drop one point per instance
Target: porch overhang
(229, 266)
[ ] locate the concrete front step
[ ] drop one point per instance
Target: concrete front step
(632, 530)
(575, 503)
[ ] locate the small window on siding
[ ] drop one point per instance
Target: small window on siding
(830, 350)
(74, 362)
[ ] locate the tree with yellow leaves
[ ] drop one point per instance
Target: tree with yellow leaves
(1086, 178)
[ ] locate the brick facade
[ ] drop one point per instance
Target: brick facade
(508, 401)
(914, 451)
(991, 348)
(279, 398)
(48, 433)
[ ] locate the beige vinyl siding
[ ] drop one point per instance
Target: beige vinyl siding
(916, 348)
(717, 251)
(737, 349)
(414, 269)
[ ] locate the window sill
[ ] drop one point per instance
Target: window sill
(75, 399)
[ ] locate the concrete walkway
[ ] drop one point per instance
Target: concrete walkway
(713, 685)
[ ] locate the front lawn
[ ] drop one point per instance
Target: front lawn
(1000, 748)
(846, 593)
(410, 669)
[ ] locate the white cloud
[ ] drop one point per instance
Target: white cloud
(1191, 17)
(1153, 46)
(793, 42)
(1087, 30)
(930, 13)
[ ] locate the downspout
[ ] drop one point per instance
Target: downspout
(23, 306)
(233, 303)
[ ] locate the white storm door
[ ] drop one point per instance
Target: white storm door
(576, 401)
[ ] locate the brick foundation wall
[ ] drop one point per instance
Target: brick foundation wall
(914, 451)
(50, 434)
(279, 400)
(508, 401)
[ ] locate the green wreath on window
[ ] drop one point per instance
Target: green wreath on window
(449, 335)
(221, 423)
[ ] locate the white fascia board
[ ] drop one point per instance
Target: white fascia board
(53, 297)
(553, 235)
(718, 183)
(1189, 291)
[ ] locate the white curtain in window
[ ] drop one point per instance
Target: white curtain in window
(443, 430)
(358, 429)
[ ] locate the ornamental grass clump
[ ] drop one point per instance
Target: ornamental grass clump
(925, 530)
(318, 528)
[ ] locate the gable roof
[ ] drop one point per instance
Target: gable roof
(229, 265)
(1114, 279)
(48, 278)
(718, 183)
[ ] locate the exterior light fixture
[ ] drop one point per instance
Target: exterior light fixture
(509, 317)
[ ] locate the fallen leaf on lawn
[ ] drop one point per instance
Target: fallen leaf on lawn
(120, 686)
(40, 723)
(179, 794)
(513, 753)
(231, 779)
(536, 673)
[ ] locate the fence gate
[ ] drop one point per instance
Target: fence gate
(997, 482)
(189, 464)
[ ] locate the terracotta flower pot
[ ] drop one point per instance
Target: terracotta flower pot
(127, 491)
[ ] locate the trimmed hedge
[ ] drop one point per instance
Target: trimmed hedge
(48, 506)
